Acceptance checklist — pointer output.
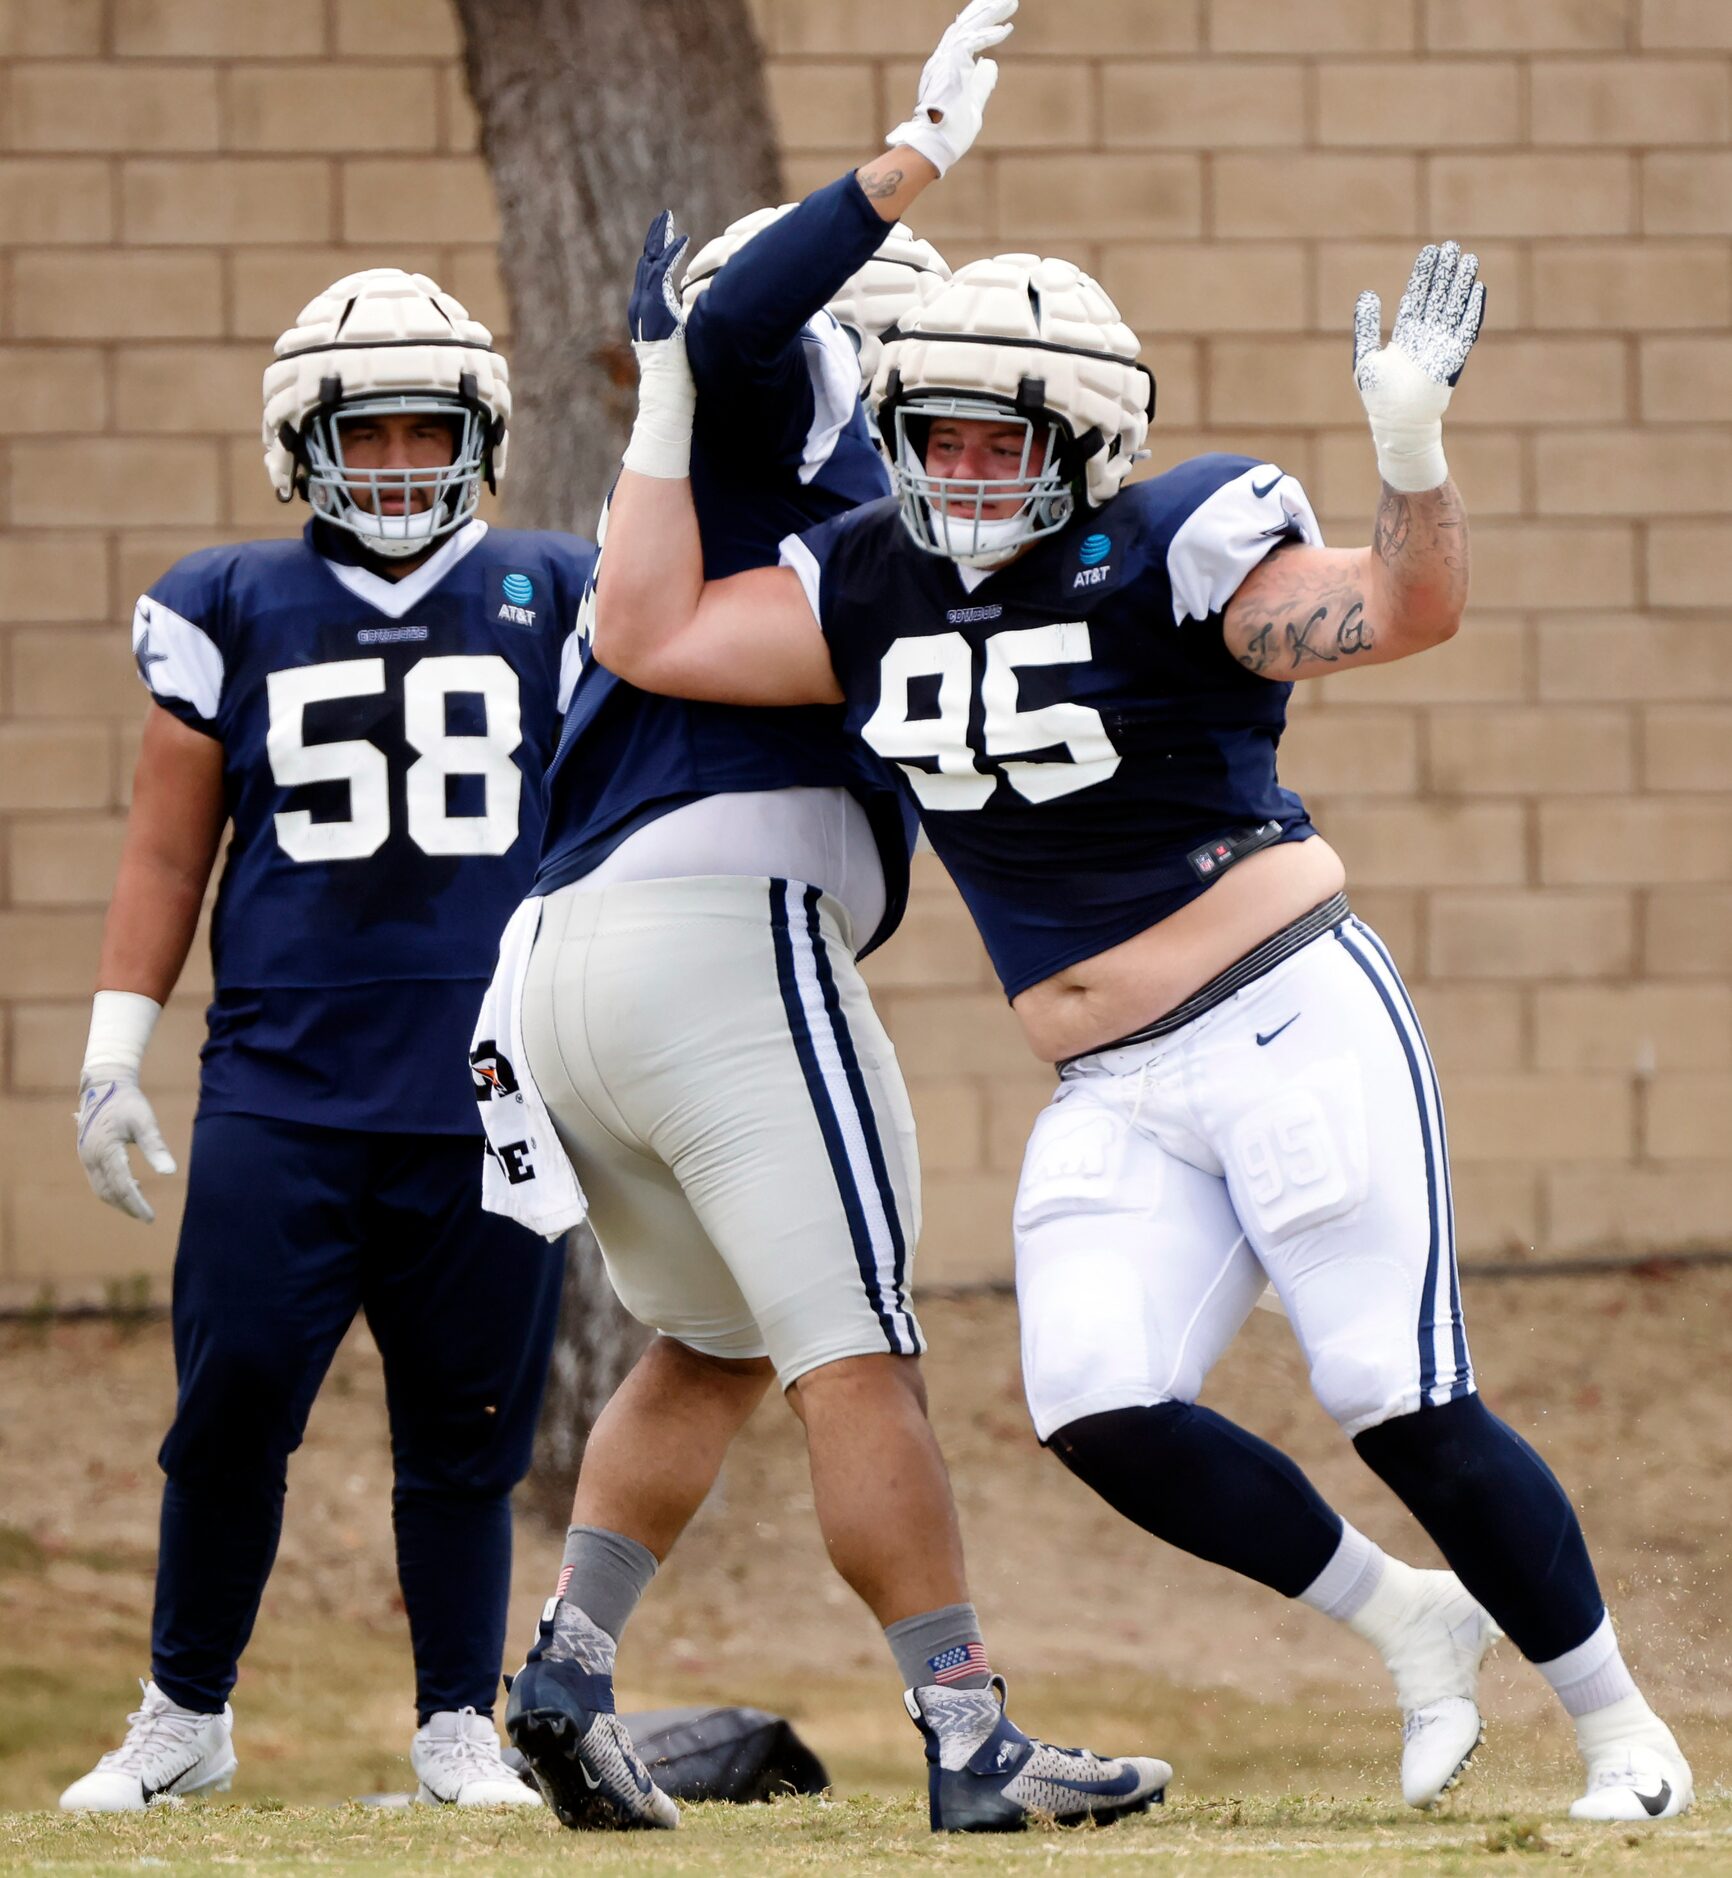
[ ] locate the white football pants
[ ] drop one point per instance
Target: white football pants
(735, 1111)
(1293, 1132)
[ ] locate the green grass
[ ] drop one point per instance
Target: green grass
(1322, 1838)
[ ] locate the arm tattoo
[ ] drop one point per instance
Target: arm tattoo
(881, 187)
(1299, 646)
(1394, 524)
(1300, 614)
(1258, 651)
(1354, 632)
(1319, 627)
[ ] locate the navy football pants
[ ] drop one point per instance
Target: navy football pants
(289, 1232)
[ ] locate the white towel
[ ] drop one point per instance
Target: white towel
(526, 1174)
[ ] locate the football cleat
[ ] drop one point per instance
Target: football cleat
(985, 1775)
(561, 1718)
(1638, 1773)
(1435, 1662)
(456, 1758)
(169, 1752)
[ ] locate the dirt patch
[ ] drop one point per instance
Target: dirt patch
(1620, 1382)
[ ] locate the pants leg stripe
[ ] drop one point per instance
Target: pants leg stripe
(1462, 1382)
(1428, 1310)
(826, 1083)
(897, 1301)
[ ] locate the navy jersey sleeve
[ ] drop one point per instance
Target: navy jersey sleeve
(179, 639)
(1214, 518)
(759, 367)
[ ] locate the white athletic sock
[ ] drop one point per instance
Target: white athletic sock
(1591, 1676)
(1345, 1586)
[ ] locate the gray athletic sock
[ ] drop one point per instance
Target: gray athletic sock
(604, 1574)
(942, 1647)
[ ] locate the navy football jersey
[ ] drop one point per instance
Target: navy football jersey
(780, 442)
(1086, 753)
(384, 744)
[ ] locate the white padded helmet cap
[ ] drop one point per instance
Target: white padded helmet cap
(379, 333)
(1000, 326)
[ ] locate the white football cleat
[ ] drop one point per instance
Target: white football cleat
(1435, 1661)
(168, 1752)
(456, 1758)
(1635, 1769)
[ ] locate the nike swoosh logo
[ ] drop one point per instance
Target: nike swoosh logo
(589, 1779)
(1270, 1038)
(1262, 489)
(168, 1786)
(1113, 1789)
(1655, 1804)
(92, 1110)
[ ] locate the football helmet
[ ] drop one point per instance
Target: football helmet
(904, 272)
(1013, 340)
(372, 343)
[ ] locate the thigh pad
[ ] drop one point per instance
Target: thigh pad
(1299, 1157)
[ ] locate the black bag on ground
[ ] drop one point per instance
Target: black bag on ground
(739, 1754)
(724, 1754)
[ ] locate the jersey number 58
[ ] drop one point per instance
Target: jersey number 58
(362, 765)
(956, 779)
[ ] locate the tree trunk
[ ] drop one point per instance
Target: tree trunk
(595, 115)
(597, 1343)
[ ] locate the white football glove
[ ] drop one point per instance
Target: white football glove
(1405, 385)
(112, 1111)
(956, 84)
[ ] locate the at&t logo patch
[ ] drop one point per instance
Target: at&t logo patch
(1095, 565)
(517, 600)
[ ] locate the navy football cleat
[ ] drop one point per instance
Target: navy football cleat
(560, 1717)
(986, 1775)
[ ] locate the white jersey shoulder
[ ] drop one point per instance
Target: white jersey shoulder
(1227, 534)
(177, 658)
(834, 370)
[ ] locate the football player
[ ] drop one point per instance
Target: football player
(1083, 684)
(692, 1015)
(370, 708)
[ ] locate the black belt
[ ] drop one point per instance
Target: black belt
(1256, 963)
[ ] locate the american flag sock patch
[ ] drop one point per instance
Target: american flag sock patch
(962, 1663)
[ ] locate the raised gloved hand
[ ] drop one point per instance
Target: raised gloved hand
(956, 84)
(112, 1112)
(661, 435)
(1405, 385)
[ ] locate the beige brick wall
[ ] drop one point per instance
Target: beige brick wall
(1536, 817)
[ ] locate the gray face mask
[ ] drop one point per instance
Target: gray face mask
(354, 499)
(947, 515)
